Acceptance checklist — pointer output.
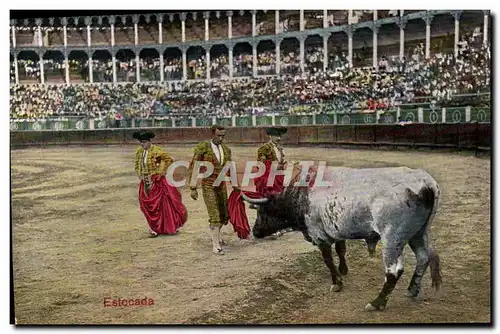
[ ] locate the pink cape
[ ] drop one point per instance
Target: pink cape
(163, 208)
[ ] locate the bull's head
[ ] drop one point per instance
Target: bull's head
(278, 212)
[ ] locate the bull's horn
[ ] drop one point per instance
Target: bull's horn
(254, 200)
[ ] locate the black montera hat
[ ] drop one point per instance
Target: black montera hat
(143, 135)
(276, 131)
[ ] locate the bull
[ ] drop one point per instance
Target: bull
(393, 206)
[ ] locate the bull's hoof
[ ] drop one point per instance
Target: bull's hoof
(336, 288)
(218, 251)
(370, 307)
(412, 292)
(378, 304)
(343, 269)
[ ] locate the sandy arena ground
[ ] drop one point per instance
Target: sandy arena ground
(79, 237)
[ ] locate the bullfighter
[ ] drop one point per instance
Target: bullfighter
(160, 202)
(270, 152)
(217, 153)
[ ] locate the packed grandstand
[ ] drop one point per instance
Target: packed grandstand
(260, 62)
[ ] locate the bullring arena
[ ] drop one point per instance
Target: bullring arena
(79, 237)
(355, 88)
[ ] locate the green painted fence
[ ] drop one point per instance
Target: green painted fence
(449, 115)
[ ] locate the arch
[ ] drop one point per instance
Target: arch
(54, 67)
(101, 32)
(219, 61)
(153, 17)
(147, 30)
(172, 64)
(78, 66)
(126, 66)
(106, 20)
(45, 22)
(124, 30)
(76, 32)
(290, 56)
(313, 53)
(195, 26)
(314, 40)
(218, 26)
(57, 22)
(266, 58)
(196, 64)
(123, 20)
(55, 35)
(28, 67)
(150, 64)
(242, 60)
(172, 29)
(102, 66)
(26, 35)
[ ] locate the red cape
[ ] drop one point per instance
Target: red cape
(236, 205)
(261, 182)
(163, 208)
(237, 215)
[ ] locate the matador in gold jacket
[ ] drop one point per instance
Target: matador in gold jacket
(215, 197)
(160, 202)
(270, 152)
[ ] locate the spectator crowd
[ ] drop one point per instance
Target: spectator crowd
(341, 87)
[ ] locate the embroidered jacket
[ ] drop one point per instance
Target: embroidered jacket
(203, 152)
(266, 152)
(157, 161)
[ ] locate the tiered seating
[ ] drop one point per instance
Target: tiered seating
(148, 34)
(56, 37)
(195, 30)
(124, 35)
(359, 16)
(266, 22)
(172, 32)
(218, 28)
(338, 17)
(242, 25)
(25, 37)
(313, 19)
(77, 36)
(290, 20)
(101, 36)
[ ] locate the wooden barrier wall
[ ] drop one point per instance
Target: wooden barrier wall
(460, 136)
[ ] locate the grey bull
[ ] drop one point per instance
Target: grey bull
(395, 206)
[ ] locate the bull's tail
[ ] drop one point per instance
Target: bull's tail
(428, 198)
(430, 195)
(435, 266)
